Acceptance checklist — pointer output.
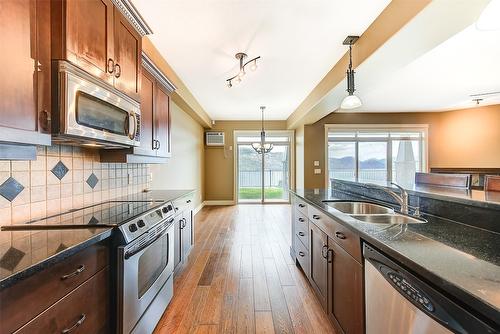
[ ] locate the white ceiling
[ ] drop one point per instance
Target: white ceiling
(299, 42)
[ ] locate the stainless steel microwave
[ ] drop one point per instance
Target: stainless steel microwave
(89, 112)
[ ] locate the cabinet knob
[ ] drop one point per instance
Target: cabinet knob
(302, 253)
(301, 220)
(316, 217)
(340, 235)
(302, 205)
(302, 234)
(118, 70)
(111, 65)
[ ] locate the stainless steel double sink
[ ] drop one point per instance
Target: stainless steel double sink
(373, 213)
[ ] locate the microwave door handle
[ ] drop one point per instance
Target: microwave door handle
(131, 134)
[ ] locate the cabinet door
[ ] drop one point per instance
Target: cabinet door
(147, 118)
(162, 122)
(187, 234)
(319, 266)
(127, 57)
(25, 101)
(345, 299)
(89, 36)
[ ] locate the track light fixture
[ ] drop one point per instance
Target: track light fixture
(252, 65)
(351, 101)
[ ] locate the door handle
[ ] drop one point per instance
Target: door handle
(324, 251)
(118, 70)
(133, 131)
(159, 144)
(329, 255)
(111, 65)
(340, 235)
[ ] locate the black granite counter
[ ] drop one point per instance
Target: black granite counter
(462, 260)
(27, 252)
(24, 253)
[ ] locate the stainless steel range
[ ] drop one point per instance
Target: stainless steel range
(145, 268)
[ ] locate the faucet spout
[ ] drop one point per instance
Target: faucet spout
(401, 199)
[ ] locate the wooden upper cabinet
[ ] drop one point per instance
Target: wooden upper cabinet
(147, 116)
(25, 83)
(96, 36)
(89, 36)
(162, 122)
(128, 48)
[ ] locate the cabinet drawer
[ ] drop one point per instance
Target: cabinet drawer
(28, 298)
(301, 205)
(86, 310)
(302, 228)
(183, 203)
(348, 240)
(302, 255)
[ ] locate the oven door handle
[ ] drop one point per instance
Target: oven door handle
(128, 255)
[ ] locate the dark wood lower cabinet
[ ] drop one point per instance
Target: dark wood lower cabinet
(345, 291)
(84, 310)
(318, 262)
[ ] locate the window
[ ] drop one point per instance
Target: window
(376, 153)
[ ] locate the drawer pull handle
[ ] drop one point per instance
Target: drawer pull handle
(78, 271)
(301, 220)
(315, 217)
(340, 235)
(324, 251)
(302, 254)
(302, 205)
(302, 234)
(77, 324)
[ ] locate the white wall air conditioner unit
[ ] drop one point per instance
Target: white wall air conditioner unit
(214, 138)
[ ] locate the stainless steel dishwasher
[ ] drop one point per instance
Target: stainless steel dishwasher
(397, 302)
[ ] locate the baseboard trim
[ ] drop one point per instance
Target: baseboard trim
(223, 202)
(198, 208)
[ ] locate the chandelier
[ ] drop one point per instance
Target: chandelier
(243, 64)
(262, 147)
(351, 101)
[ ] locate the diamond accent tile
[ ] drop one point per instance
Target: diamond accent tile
(93, 221)
(92, 180)
(11, 258)
(10, 189)
(61, 248)
(60, 170)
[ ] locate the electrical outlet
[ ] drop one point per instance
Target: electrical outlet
(317, 170)
(316, 163)
(129, 178)
(150, 177)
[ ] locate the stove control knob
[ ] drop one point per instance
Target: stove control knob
(165, 209)
(140, 223)
(132, 228)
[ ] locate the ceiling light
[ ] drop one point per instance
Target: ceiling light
(241, 57)
(351, 101)
(490, 17)
(262, 147)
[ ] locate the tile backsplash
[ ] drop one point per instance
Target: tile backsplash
(63, 178)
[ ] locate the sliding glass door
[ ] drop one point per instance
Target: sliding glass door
(262, 177)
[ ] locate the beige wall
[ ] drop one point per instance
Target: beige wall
(459, 138)
(186, 167)
(219, 162)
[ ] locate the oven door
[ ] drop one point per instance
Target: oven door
(95, 112)
(145, 267)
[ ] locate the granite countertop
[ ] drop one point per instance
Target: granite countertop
(479, 198)
(23, 253)
(460, 259)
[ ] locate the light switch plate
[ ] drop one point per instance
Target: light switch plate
(317, 170)
(316, 163)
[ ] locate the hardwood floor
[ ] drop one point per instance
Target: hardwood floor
(240, 278)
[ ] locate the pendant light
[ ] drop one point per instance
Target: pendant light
(351, 101)
(262, 147)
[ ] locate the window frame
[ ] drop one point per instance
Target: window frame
(389, 128)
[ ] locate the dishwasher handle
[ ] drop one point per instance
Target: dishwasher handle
(425, 297)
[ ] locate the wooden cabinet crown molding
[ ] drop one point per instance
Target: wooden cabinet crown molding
(148, 64)
(133, 16)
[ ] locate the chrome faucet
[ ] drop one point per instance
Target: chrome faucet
(402, 198)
